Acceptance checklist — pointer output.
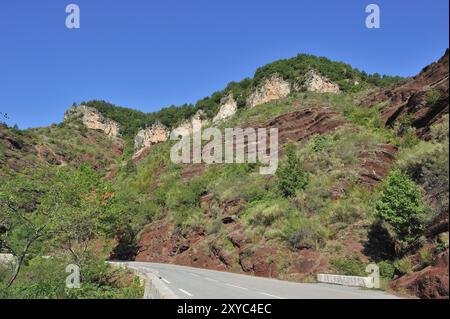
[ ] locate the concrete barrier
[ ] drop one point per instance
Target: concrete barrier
(155, 288)
(355, 281)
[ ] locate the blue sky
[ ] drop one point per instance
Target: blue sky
(147, 54)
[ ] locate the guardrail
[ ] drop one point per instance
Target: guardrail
(155, 288)
(355, 281)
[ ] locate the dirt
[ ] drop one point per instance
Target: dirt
(430, 282)
(301, 124)
(376, 165)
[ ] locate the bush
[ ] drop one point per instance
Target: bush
(291, 176)
(403, 266)
(401, 206)
(266, 213)
(426, 256)
(320, 142)
(428, 165)
(387, 269)
(46, 279)
(432, 96)
(349, 266)
(301, 233)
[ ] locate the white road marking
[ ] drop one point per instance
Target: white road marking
(210, 279)
(194, 274)
(239, 287)
(263, 293)
(166, 281)
(185, 292)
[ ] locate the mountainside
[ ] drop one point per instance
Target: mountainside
(363, 178)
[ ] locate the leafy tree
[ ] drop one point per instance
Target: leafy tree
(401, 206)
(291, 176)
(79, 203)
(21, 223)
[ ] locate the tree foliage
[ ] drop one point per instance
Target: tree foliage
(401, 206)
(291, 175)
(343, 74)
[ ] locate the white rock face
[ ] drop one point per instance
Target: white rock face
(272, 88)
(315, 82)
(148, 137)
(228, 108)
(93, 119)
(194, 124)
(185, 128)
(7, 259)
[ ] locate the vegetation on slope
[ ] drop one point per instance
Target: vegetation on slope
(293, 70)
(81, 201)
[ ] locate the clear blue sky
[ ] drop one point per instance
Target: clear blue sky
(147, 54)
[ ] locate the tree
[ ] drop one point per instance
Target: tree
(21, 223)
(401, 206)
(79, 201)
(291, 176)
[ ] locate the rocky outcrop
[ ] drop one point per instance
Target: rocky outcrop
(272, 88)
(93, 119)
(299, 125)
(315, 82)
(375, 165)
(7, 259)
(228, 108)
(192, 125)
(431, 282)
(424, 98)
(148, 137)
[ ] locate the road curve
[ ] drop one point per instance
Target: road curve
(196, 283)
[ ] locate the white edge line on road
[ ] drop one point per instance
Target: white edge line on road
(210, 279)
(239, 287)
(263, 293)
(166, 281)
(191, 273)
(185, 292)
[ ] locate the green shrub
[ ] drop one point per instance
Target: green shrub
(433, 96)
(320, 142)
(301, 233)
(265, 213)
(426, 256)
(291, 175)
(439, 131)
(404, 265)
(428, 165)
(350, 266)
(387, 269)
(401, 206)
(46, 279)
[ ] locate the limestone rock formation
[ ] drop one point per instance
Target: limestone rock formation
(315, 82)
(228, 108)
(148, 137)
(272, 88)
(93, 119)
(195, 123)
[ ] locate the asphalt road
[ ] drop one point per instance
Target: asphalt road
(196, 283)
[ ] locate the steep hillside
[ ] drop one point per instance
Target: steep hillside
(65, 144)
(231, 218)
(363, 178)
